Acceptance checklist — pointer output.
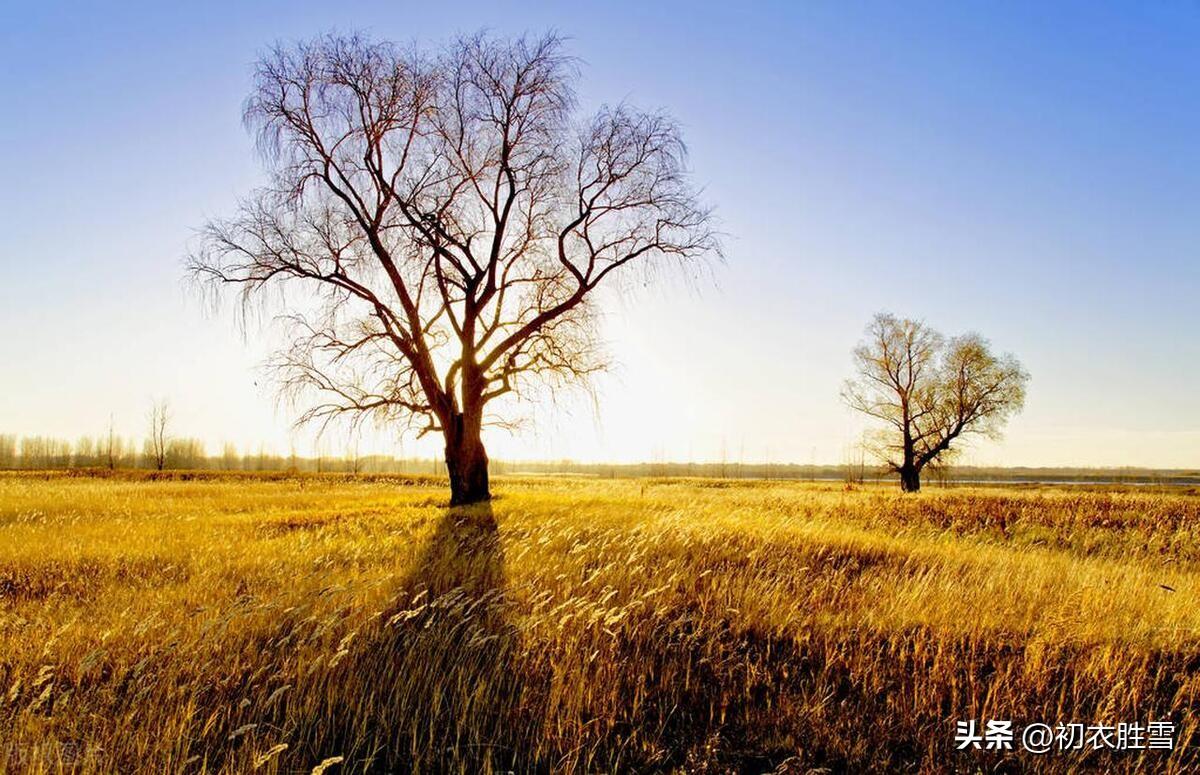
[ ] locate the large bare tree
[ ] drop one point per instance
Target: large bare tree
(449, 217)
(930, 391)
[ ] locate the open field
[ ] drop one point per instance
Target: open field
(233, 623)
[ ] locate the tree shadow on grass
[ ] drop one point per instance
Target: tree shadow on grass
(435, 686)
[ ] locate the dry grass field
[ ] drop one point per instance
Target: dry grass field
(296, 625)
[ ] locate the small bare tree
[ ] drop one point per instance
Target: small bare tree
(156, 444)
(930, 391)
(110, 447)
(449, 219)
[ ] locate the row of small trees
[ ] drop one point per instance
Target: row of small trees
(118, 452)
(160, 451)
(106, 451)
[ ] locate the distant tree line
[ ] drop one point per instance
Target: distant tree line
(116, 452)
(182, 454)
(107, 451)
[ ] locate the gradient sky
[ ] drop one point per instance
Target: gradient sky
(1030, 171)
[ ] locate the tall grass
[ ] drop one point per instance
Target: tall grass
(293, 624)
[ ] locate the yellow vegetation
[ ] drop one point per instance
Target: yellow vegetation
(333, 624)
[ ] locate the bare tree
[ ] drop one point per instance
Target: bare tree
(156, 444)
(449, 219)
(930, 391)
(110, 447)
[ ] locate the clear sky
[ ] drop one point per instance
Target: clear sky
(1027, 170)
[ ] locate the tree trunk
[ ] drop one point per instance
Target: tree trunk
(466, 462)
(910, 477)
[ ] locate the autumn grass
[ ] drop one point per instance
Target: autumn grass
(285, 624)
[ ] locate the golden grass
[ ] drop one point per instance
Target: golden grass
(275, 624)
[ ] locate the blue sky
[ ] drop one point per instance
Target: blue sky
(1027, 171)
